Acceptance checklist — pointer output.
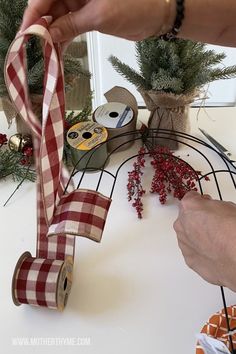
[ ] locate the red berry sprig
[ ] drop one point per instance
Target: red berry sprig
(3, 139)
(27, 153)
(171, 175)
(134, 186)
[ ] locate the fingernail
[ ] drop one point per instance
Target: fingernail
(206, 196)
(56, 34)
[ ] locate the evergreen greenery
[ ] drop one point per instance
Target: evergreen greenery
(11, 14)
(177, 66)
(10, 165)
(72, 118)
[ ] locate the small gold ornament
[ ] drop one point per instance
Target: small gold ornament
(18, 142)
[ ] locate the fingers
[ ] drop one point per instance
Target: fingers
(35, 10)
(177, 226)
(61, 8)
(199, 264)
(191, 194)
(194, 200)
(194, 194)
(54, 8)
(206, 196)
(67, 27)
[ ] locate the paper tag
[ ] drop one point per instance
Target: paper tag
(211, 345)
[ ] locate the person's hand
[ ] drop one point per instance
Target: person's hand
(130, 19)
(206, 232)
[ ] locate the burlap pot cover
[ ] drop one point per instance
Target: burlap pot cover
(168, 111)
(11, 114)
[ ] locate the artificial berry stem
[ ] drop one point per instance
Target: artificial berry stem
(171, 175)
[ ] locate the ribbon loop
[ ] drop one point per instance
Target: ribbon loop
(87, 217)
(46, 280)
(49, 136)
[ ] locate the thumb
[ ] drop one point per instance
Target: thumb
(191, 194)
(35, 10)
(67, 27)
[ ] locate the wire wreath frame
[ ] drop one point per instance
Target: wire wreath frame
(194, 144)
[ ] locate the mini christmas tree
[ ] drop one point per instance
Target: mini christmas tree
(11, 14)
(171, 74)
(176, 66)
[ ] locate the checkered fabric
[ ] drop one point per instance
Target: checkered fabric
(35, 275)
(37, 281)
(216, 327)
(87, 218)
(48, 136)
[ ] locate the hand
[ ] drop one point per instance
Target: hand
(130, 19)
(206, 232)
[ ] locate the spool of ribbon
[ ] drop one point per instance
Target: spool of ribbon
(46, 279)
(83, 138)
(119, 117)
(42, 282)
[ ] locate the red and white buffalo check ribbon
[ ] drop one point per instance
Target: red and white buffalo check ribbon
(46, 279)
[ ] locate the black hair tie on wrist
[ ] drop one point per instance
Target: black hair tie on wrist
(180, 10)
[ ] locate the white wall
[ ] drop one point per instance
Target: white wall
(100, 47)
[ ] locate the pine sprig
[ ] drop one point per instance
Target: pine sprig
(162, 81)
(178, 66)
(35, 77)
(225, 73)
(11, 14)
(73, 69)
(10, 166)
(129, 73)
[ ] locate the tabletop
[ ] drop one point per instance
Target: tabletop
(132, 293)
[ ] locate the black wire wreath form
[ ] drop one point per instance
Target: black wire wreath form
(147, 137)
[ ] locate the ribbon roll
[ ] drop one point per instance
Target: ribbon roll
(118, 119)
(121, 96)
(83, 138)
(46, 280)
(42, 282)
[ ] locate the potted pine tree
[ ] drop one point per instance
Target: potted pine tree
(11, 14)
(171, 75)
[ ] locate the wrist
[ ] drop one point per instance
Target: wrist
(165, 13)
(169, 17)
(179, 17)
(228, 262)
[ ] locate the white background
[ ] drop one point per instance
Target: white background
(131, 294)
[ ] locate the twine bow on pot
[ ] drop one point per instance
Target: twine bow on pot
(167, 111)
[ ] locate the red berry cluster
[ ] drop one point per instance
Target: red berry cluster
(171, 175)
(27, 153)
(3, 139)
(134, 186)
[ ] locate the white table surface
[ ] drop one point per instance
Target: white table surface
(133, 293)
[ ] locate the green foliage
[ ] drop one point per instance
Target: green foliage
(10, 165)
(73, 69)
(177, 66)
(72, 118)
(11, 14)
